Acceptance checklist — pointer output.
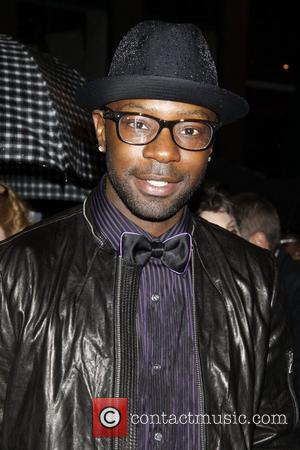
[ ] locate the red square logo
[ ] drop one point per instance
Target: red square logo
(110, 417)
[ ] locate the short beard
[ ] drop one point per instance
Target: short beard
(153, 210)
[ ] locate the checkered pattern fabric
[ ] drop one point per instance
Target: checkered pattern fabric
(37, 189)
(40, 123)
(38, 183)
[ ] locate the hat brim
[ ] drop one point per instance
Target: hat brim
(228, 106)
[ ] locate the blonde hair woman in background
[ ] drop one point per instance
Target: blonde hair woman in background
(13, 213)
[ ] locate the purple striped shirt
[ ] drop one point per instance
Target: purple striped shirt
(167, 378)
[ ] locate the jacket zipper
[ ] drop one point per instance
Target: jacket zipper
(198, 366)
(118, 361)
(117, 341)
(290, 357)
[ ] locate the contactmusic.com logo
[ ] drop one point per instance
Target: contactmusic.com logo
(110, 417)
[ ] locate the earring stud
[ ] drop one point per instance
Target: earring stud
(101, 149)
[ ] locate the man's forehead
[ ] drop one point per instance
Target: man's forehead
(153, 106)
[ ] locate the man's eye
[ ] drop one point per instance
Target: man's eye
(190, 131)
(136, 124)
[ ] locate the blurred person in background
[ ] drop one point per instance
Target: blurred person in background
(14, 216)
(214, 205)
(257, 220)
(259, 223)
(290, 242)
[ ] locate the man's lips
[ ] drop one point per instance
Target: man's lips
(156, 177)
(157, 185)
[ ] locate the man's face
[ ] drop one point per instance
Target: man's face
(154, 181)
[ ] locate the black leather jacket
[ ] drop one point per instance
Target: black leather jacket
(68, 334)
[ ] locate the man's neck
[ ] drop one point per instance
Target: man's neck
(156, 229)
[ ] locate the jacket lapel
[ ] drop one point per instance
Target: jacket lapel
(212, 325)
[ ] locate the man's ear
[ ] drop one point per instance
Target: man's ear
(99, 124)
(260, 239)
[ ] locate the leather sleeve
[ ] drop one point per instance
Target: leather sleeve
(278, 403)
(7, 349)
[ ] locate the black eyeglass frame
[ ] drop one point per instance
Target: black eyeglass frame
(116, 116)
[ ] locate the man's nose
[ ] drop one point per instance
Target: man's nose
(163, 149)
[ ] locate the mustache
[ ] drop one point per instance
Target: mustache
(157, 168)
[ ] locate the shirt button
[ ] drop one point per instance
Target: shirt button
(156, 367)
(155, 297)
(158, 436)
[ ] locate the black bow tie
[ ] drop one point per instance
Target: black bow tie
(174, 252)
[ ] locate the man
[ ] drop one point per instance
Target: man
(130, 297)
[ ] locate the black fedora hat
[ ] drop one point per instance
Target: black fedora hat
(164, 61)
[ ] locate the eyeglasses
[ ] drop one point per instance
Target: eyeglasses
(141, 129)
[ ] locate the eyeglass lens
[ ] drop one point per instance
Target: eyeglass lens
(136, 129)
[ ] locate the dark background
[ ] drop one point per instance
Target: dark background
(254, 46)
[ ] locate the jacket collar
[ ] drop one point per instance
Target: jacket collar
(89, 219)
